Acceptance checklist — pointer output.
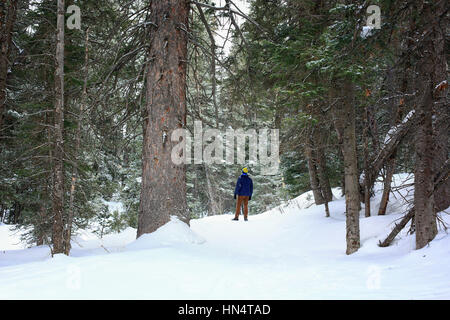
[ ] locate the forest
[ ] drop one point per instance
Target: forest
(91, 92)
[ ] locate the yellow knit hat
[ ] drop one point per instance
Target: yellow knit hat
(245, 170)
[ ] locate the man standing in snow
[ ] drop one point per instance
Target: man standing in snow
(243, 190)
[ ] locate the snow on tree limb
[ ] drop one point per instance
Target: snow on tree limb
(391, 142)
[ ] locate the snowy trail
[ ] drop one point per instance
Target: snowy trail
(298, 254)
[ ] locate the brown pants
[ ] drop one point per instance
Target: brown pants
(240, 200)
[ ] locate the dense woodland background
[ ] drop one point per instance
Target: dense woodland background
(82, 110)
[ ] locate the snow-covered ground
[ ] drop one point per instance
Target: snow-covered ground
(292, 252)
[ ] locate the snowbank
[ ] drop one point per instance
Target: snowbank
(304, 201)
(174, 232)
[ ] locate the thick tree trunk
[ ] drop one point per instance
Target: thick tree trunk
(8, 12)
(163, 190)
(345, 123)
(431, 67)
(58, 165)
(440, 141)
(425, 216)
(441, 109)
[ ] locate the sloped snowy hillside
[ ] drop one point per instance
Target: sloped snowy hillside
(290, 252)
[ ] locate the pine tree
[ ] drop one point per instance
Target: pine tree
(163, 190)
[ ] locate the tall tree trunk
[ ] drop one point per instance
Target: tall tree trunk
(320, 159)
(163, 190)
(367, 186)
(440, 141)
(345, 123)
(429, 56)
(8, 12)
(58, 164)
(321, 165)
(76, 151)
(441, 109)
(215, 206)
(313, 177)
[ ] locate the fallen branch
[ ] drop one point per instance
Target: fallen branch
(392, 140)
(439, 180)
(398, 227)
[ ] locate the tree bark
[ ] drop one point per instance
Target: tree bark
(321, 165)
(8, 13)
(440, 141)
(346, 129)
(441, 109)
(163, 190)
(351, 172)
(58, 165)
(313, 176)
(431, 59)
(425, 217)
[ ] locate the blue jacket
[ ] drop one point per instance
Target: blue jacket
(244, 186)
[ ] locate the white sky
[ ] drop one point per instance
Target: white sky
(244, 6)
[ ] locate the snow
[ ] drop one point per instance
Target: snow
(289, 252)
(114, 206)
(392, 131)
(366, 31)
(441, 84)
(9, 239)
(173, 233)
